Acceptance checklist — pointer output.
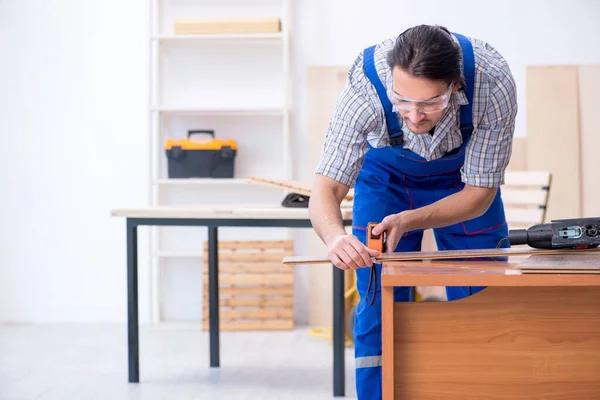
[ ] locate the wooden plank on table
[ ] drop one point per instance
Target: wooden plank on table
(562, 262)
(292, 186)
(450, 254)
(553, 135)
(589, 104)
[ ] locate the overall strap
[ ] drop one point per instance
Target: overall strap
(466, 111)
(391, 119)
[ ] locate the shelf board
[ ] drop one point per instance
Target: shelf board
(201, 181)
(211, 181)
(219, 111)
(217, 37)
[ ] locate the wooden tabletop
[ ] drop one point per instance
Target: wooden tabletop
(577, 270)
(220, 212)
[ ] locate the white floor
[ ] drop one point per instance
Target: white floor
(90, 362)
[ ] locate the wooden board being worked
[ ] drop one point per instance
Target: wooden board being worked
(256, 292)
(300, 187)
(449, 254)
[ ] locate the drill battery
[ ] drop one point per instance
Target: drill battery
(187, 158)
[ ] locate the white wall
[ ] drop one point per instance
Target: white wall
(73, 90)
(73, 119)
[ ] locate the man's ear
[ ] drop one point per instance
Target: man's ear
(456, 87)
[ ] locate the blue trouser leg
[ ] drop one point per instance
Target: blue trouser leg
(367, 328)
(461, 241)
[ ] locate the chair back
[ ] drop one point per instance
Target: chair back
(525, 197)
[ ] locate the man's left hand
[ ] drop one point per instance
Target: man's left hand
(395, 226)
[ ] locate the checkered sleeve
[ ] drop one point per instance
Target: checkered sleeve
(490, 147)
(346, 137)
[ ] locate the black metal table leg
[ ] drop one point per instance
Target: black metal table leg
(339, 333)
(132, 302)
(213, 294)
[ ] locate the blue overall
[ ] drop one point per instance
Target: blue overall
(393, 180)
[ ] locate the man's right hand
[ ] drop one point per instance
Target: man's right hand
(347, 252)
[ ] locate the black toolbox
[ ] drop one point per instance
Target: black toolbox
(214, 158)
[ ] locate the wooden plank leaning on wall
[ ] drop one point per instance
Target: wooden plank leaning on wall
(564, 137)
(589, 102)
(553, 135)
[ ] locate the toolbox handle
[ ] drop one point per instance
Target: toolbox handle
(196, 131)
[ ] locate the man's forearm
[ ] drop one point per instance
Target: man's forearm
(326, 217)
(467, 204)
(324, 208)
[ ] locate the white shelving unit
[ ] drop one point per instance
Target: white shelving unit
(237, 85)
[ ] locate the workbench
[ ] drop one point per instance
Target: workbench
(214, 217)
(524, 336)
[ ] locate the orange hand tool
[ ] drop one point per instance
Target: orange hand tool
(375, 242)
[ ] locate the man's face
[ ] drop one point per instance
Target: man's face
(421, 102)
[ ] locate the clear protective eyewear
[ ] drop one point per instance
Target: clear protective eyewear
(426, 106)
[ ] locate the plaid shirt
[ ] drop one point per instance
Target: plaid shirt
(359, 118)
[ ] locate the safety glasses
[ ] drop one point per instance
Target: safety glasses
(426, 106)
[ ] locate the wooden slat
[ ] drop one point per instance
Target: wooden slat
(527, 216)
(267, 325)
(527, 178)
(239, 267)
(243, 256)
(255, 313)
(283, 290)
(519, 225)
(253, 301)
(524, 197)
(253, 279)
(254, 244)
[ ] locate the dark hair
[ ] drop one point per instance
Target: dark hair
(429, 52)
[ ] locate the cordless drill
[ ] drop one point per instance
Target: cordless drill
(577, 233)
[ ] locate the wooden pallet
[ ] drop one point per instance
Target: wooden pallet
(256, 292)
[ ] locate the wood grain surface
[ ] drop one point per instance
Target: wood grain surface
(502, 343)
(490, 273)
